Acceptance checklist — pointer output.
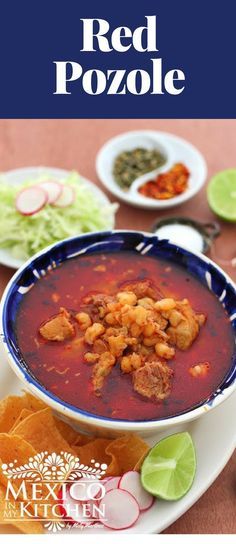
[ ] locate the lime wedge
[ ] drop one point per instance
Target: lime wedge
(221, 193)
(168, 470)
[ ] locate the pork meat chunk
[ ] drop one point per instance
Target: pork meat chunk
(153, 380)
(58, 328)
(185, 330)
(142, 288)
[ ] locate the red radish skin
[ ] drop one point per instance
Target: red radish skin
(121, 510)
(66, 198)
(31, 200)
(112, 483)
(52, 188)
(130, 481)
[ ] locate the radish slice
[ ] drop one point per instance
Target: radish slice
(53, 190)
(66, 198)
(120, 509)
(31, 200)
(93, 508)
(130, 481)
(112, 483)
(85, 489)
(76, 511)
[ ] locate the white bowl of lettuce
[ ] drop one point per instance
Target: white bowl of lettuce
(21, 236)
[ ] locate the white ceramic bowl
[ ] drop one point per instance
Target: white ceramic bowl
(209, 274)
(175, 150)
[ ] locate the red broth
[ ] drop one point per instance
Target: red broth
(59, 367)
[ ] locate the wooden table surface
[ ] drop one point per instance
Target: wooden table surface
(73, 144)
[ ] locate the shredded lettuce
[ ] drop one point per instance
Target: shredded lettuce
(23, 235)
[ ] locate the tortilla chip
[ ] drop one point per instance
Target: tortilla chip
(82, 439)
(27, 527)
(10, 408)
(14, 448)
(120, 455)
(24, 413)
(94, 450)
(125, 453)
(32, 403)
(40, 431)
(68, 433)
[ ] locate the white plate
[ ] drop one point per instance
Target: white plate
(176, 150)
(20, 175)
(215, 440)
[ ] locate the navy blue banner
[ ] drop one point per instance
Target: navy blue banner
(127, 59)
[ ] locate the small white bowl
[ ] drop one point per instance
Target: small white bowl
(175, 150)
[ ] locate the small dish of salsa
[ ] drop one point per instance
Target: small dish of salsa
(166, 185)
(151, 169)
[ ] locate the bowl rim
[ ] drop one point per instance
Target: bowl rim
(81, 416)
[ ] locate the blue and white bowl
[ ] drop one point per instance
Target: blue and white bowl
(199, 265)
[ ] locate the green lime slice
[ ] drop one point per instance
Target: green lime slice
(168, 470)
(221, 193)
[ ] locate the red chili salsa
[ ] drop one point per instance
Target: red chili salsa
(152, 374)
